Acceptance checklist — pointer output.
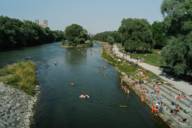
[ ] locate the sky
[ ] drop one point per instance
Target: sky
(94, 15)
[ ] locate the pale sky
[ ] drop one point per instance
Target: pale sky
(94, 15)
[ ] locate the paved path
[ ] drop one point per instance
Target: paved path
(179, 84)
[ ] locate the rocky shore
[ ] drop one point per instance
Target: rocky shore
(16, 107)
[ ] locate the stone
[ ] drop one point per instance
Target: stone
(16, 107)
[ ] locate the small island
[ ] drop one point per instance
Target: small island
(76, 37)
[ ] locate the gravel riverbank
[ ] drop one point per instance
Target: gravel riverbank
(16, 107)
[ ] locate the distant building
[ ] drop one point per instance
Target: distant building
(43, 23)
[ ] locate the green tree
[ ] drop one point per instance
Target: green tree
(136, 35)
(15, 33)
(159, 35)
(76, 34)
(177, 55)
(108, 36)
(178, 15)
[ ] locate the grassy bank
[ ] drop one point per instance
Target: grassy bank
(122, 66)
(20, 75)
(128, 68)
(153, 58)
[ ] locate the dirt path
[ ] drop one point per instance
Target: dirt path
(178, 84)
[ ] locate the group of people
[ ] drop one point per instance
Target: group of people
(158, 105)
(155, 99)
(125, 89)
(180, 96)
(176, 109)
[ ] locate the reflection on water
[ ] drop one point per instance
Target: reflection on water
(74, 56)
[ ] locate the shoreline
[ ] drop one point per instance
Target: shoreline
(19, 94)
(129, 82)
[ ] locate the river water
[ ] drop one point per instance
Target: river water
(59, 105)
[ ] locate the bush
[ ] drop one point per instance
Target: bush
(20, 75)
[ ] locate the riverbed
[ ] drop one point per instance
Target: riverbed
(59, 104)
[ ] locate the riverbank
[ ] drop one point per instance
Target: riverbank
(153, 91)
(182, 86)
(18, 95)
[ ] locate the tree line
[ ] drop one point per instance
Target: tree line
(136, 35)
(15, 33)
(173, 36)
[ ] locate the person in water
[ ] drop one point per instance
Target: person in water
(84, 96)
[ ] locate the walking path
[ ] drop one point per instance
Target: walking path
(178, 84)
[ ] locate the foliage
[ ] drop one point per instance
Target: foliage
(59, 35)
(122, 66)
(136, 35)
(15, 33)
(159, 35)
(153, 58)
(21, 75)
(178, 15)
(177, 54)
(76, 34)
(108, 36)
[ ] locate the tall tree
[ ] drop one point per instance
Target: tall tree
(159, 35)
(136, 35)
(177, 55)
(178, 16)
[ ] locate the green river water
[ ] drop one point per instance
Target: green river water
(59, 105)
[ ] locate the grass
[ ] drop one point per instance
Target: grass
(20, 75)
(122, 66)
(153, 58)
(128, 68)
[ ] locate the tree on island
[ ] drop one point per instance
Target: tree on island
(76, 35)
(136, 35)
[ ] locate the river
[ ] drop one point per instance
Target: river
(59, 105)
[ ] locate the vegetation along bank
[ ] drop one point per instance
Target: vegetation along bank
(167, 43)
(15, 34)
(18, 94)
(156, 93)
